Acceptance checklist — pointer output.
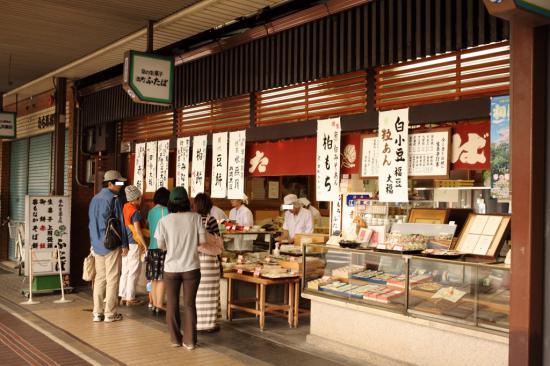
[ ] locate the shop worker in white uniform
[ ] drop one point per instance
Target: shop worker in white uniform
(314, 212)
(298, 220)
(241, 215)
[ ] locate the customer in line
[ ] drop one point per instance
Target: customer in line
(131, 263)
(107, 262)
(180, 234)
(155, 256)
(208, 295)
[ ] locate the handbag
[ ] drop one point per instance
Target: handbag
(88, 268)
(113, 234)
(214, 243)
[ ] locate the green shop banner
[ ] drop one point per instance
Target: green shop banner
(500, 148)
(149, 78)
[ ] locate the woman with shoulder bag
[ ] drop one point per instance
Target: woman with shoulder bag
(180, 234)
(208, 295)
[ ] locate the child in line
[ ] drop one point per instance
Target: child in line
(131, 262)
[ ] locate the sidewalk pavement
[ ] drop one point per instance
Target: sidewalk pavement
(141, 338)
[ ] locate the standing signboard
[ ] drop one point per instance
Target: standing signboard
(328, 159)
(219, 165)
(47, 227)
(393, 150)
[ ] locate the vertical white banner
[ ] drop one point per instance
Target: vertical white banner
(328, 159)
(219, 165)
(139, 166)
(163, 155)
(151, 170)
(199, 164)
(182, 162)
(235, 170)
(393, 151)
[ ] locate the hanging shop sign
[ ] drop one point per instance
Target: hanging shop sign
(500, 147)
(148, 78)
(429, 153)
(46, 121)
(351, 146)
(199, 164)
(281, 158)
(48, 223)
(7, 125)
(219, 165)
(163, 155)
(471, 148)
(393, 134)
(182, 162)
(151, 166)
(328, 159)
(139, 167)
(235, 170)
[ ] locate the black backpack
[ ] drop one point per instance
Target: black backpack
(113, 232)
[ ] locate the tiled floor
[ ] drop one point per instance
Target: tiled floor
(141, 338)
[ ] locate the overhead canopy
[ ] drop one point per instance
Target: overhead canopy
(196, 18)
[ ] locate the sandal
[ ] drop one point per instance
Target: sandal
(133, 302)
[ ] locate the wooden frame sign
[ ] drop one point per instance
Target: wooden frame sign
(428, 216)
(483, 235)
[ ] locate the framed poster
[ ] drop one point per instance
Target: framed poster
(430, 153)
(428, 216)
(369, 158)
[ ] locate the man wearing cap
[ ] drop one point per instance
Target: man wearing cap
(107, 262)
(241, 215)
(314, 212)
(298, 220)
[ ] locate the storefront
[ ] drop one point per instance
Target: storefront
(353, 62)
(31, 157)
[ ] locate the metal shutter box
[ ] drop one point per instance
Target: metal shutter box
(18, 184)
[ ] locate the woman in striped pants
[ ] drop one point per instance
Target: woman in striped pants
(208, 295)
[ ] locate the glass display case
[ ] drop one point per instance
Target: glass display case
(469, 294)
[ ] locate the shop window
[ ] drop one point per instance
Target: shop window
(473, 72)
(335, 96)
(215, 116)
(152, 127)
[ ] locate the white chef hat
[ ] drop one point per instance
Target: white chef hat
(245, 199)
(304, 201)
(289, 199)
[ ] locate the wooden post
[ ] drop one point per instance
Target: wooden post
(59, 132)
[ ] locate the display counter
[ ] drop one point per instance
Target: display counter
(367, 302)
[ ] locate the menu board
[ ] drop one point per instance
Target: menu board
(182, 162)
(428, 154)
(369, 158)
(483, 234)
(139, 170)
(47, 227)
(162, 163)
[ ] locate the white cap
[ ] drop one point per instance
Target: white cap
(304, 201)
(289, 199)
(113, 175)
(243, 198)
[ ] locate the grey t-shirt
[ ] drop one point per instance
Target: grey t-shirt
(180, 234)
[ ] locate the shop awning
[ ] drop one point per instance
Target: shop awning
(192, 20)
